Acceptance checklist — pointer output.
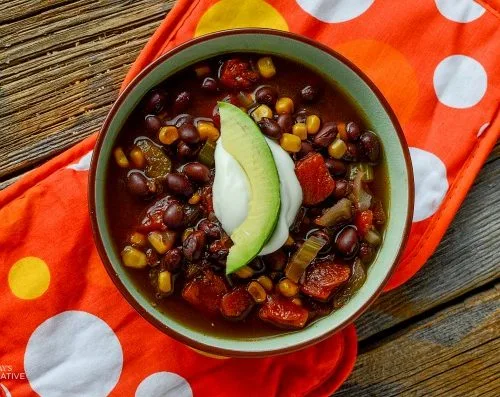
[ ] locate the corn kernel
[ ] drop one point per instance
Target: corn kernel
(297, 301)
(300, 130)
(168, 134)
(342, 131)
(266, 282)
(284, 105)
(132, 257)
(266, 67)
(337, 148)
(187, 233)
(288, 288)
(207, 131)
(244, 272)
(138, 239)
(194, 199)
(291, 143)
(262, 111)
(165, 282)
(120, 158)
(137, 157)
(161, 242)
(313, 123)
(257, 291)
(289, 241)
(202, 70)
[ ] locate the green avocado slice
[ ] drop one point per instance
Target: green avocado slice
(242, 138)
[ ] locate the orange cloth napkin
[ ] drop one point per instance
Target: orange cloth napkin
(65, 329)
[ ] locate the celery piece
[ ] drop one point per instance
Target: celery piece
(303, 257)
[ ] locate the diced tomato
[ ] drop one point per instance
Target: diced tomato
(314, 178)
(364, 221)
(206, 199)
(323, 278)
(238, 74)
(235, 305)
(205, 291)
(283, 313)
(153, 218)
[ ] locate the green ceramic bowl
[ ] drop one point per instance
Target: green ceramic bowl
(378, 114)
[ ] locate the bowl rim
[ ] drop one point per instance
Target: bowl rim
(122, 97)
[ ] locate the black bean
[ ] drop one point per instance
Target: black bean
(353, 131)
(301, 116)
(309, 93)
(179, 184)
(326, 134)
(183, 119)
(209, 84)
(173, 216)
(266, 95)
(197, 172)
(285, 121)
(336, 167)
(257, 265)
(347, 242)
(155, 102)
(366, 253)
(218, 250)
(138, 184)
(270, 127)
(193, 245)
(323, 235)
(371, 145)
(182, 101)
(342, 189)
(189, 134)
(305, 148)
(186, 152)
(211, 229)
(352, 153)
(171, 261)
(153, 123)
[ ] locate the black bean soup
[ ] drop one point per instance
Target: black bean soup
(160, 210)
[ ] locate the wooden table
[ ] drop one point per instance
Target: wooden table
(61, 64)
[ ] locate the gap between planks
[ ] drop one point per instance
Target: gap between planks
(455, 352)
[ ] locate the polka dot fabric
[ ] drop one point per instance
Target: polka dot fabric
(67, 327)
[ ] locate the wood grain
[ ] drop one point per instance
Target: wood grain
(453, 353)
(61, 69)
(467, 258)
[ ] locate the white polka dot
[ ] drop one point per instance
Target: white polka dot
(482, 129)
(460, 81)
(73, 353)
(333, 11)
(460, 10)
(83, 164)
(5, 391)
(431, 183)
(164, 384)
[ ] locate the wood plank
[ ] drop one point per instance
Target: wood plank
(19, 9)
(77, 54)
(467, 258)
(453, 353)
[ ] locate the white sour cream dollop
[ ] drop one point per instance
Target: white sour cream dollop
(231, 193)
